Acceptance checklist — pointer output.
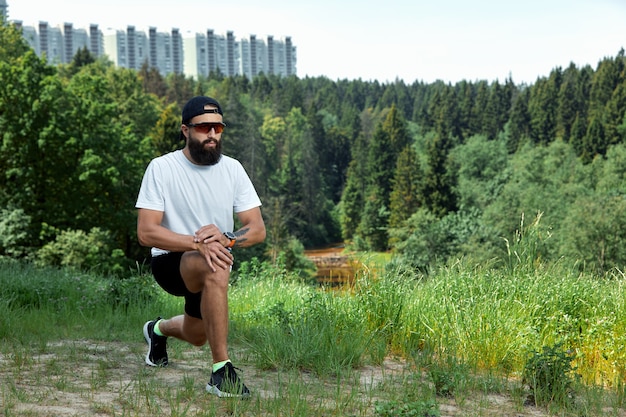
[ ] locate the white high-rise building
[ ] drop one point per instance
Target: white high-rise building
(96, 46)
(195, 55)
(160, 51)
(253, 57)
(177, 52)
(249, 57)
(196, 62)
(116, 46)
(51, 43)
(3, 10)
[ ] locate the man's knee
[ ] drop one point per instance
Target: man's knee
(217, 279)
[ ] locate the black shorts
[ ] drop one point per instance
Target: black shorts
(166, 271)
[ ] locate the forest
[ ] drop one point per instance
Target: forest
(429, 172)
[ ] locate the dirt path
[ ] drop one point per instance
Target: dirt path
(84, 378)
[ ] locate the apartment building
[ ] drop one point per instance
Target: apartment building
(192, 54)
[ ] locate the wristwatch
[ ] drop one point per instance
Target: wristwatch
(232, 237)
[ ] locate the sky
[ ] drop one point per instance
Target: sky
(389, 40)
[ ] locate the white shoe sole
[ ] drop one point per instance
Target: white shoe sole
(147, 337)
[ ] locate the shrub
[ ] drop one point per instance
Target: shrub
(420, 408)
(548, 375)
(14, 236)
(91, 251)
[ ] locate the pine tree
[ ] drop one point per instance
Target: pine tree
(439, 196)
(405, 195)
(351, 205)
(373, 226)
(542, 107)
(519, 123)
(570, 103)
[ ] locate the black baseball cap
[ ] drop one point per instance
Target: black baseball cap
(198, 105)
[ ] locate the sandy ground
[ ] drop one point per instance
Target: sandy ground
(83, 378)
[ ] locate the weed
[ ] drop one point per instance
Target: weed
(549, 376)
(407, 409)
(449, 376)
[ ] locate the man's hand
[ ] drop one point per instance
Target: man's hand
(210, 233)
(216, 255)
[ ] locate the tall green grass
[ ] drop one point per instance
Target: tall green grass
(460, 323)
(491, 319)
(47, 304)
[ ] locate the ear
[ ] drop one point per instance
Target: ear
(184, 131)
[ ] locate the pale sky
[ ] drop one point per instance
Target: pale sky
(412, 40)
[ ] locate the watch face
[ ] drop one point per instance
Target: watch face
(230, 235)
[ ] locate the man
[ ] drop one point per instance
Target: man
(186, 205)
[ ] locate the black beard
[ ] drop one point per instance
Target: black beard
(203, 156)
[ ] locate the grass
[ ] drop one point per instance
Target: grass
(467, 340)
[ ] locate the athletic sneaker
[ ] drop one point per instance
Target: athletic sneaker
(157, 345)
(226, 383)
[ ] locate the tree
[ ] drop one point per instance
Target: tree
(570, 103)
(542, 108)
(396, 125)
(481, 166)
(332, 144)
(179, 89)
(444, 112)
(352, 202)
(519, 122)
(595, 142)
(497, 111)
(594, 230)
(438, 186)
(297, 175)
(477, 121)
(614, 113)
(152, 80)
(81, 58)
(405, 196)
(577, 134)
(164, 137)
(28, 96)
(373, 226)
(465, 95)
(12, 45)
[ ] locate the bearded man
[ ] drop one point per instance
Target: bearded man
(186, 208)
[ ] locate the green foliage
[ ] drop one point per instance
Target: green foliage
(481, 168)
(373, 226)
(296, 261)
(83, 251)
(594, 232)
(524, 251)
(383, 300)
(438, 186)
(324, 155)
(419, 243)
(13, 44)
(313, 331)
(352, 201)
(548, 375)
(14, 233)
(405, 196)
(407, 409)
(448, 375)
(67, 291)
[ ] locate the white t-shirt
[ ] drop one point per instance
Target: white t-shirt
(191, 196)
